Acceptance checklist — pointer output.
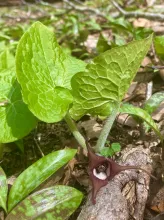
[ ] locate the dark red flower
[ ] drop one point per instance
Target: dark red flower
(102, 169)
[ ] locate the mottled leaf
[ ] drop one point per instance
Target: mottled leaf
(132, 110)
(3, 189)
(54, 203)
(107, 78)
(153, 102)
(37, 173)
(44, 72)
(16, 120)
(159, 46)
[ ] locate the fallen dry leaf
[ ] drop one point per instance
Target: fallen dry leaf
(158, 115)
(146, 61)
(68, 171)
(127, 120)
(92, 128)
(161, 73)
(159, 207)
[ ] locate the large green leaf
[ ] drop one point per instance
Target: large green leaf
(38, 172)
(153, 102)
(44, 72)
(16, 120)
(159, 46)
(107, 78)
(132, 110)
(54, 203)
(3, 189)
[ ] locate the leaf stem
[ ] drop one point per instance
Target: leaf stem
(106, 129)
(78, 136)
(1, 150)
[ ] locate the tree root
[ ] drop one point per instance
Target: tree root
(125, 195)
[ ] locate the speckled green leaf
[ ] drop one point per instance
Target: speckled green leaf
(44, 72)
(16, 120)
(159, 46)
(37, 173)
(3, 189)
(132, 110)
(54, 203)
(107, 78)
(152, 104)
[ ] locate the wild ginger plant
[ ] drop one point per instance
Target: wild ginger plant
(56, 86)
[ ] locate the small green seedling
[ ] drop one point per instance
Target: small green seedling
(110, 149)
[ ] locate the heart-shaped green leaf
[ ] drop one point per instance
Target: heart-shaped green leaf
(132, 110)
(44, 72)
(3, 189)
(16, 120)
(107, 78)
(37, 173)
(54, 203)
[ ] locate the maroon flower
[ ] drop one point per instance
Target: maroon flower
(102, 169)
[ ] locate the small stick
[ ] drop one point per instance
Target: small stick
(38, 146)
(136, 14)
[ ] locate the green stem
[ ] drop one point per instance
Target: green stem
(80, 139)
(106, 129)
(1, 150)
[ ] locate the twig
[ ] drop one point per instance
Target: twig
(79, 2)
(137, 14)
(24, 18)
(149, 89)
(85, 9)
(153, 67)
(154, 54)
(38, 146)
(156, 67)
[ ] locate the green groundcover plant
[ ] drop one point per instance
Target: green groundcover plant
(44, 83)
(57, 202)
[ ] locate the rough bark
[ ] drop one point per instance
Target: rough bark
(111, 203)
